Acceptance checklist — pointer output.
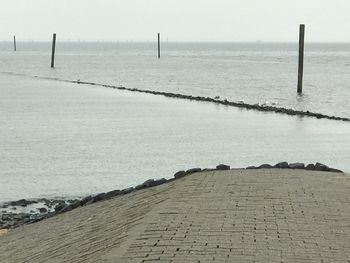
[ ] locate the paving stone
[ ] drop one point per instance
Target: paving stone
(265, 215)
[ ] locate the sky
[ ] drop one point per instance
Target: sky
(177, 20)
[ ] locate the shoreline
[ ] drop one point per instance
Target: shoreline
(45, 208)
(242, 105)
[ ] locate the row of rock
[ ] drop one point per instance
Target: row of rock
(15, 220)
(239, 104)
(310, 167)
(23, 211)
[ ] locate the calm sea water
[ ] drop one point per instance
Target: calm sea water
(66, 140)
(254, 72)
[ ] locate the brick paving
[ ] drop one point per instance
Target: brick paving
(230, 216)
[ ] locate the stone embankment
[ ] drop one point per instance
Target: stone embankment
(10, 219)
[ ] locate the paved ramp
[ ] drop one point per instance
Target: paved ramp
(230, 216)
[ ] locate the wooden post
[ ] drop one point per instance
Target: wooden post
(53, 51)
(158, 45)
(301, 58)
(14, 43)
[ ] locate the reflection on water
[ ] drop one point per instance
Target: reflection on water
(60, 139)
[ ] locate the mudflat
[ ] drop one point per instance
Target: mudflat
(265, 215)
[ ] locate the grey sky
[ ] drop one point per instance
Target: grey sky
(177, 20)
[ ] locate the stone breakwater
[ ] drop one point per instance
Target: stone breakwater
(9, 219)
(239, 104)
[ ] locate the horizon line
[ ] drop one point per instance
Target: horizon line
(179, 41)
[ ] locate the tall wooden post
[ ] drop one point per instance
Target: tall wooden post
(14, 43)
(301, 58)
(158, 45)
(53, 50)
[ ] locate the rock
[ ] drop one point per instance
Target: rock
(59, 207)
(180, 174)
(98, 197)
(112, 193)
(6, 217)
(148, 183)
(333, 170)
(38, 218)
(297, 166)
(86, 200)
(222, 167)
(42, 210)
(75, 204)
(193, 170)
(265, 166)
(321, 167)
(145, 184)
(22, 202)
(159, 182)
(127, 190)
(282, 165)
(310, 167)
(67, 208)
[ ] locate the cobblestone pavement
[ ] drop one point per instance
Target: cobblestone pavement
(231, 216)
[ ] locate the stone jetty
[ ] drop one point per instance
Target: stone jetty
(281, 213)
(238, 104)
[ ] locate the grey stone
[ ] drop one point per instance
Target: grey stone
(148, 183)
(86, 200)
(159, 182)
(98, 197)
(321, 167)
(127, 190)
(265, 166)
(42, 210)
(297, 166)
(59, 207)
(139, 187)
(180, 174)
(193, 170)
(112, 193)
(67, 208)
(223, 167)
(145, 184)
(310, 167)
(75, 204)
(282, 165)
(22, 202)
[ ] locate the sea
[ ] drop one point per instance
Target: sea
(68, 140)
